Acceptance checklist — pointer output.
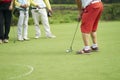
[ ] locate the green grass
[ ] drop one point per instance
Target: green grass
(51, 62)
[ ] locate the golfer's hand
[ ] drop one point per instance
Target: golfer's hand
(38, 6)
(50, 10)
(24, 6)
(10, 7)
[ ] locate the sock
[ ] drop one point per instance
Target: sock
(87, 47)
(94, 45)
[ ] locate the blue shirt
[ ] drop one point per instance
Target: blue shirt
(22, 2)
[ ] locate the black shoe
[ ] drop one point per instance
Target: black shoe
(94, 49)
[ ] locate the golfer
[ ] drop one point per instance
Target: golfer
(23, 6)
(89, 12)
(6, 7)
(39, 11)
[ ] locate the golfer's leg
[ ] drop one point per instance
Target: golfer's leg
(94, 37)
(86, 26)
(86, 48)
(86, 37)
(45, 22)
(20, 25)
(36, 16)
(94, 40)
(1, 24)
(8, 16)
(98, 13)
(26, 25)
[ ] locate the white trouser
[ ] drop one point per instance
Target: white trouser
(23, 24)
(37, 14)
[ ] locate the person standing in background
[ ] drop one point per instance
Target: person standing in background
(90, 12)
(23, 6)
(39, 11)
(6, 7)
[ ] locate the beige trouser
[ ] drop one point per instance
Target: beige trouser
(37, 14)
(23, 24)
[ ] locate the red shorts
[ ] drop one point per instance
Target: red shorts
(90, 17)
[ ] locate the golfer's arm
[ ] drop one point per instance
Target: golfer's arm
(12, 2)
(47, 2)
(33, 3)
(17, 3)
(79, 4)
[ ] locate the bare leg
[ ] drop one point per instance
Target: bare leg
(94, 37)
(94, 40)
(86, 37)
(86, 49)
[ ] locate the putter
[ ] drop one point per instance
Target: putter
(70, 49)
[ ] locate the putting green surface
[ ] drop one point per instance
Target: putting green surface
(46, 59)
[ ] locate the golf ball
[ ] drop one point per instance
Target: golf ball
(67, 50)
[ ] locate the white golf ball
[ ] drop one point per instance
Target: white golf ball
(67, 50)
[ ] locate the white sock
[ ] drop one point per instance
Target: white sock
(87, 47)
(94, 45)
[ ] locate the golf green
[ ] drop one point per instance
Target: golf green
(46, 59)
